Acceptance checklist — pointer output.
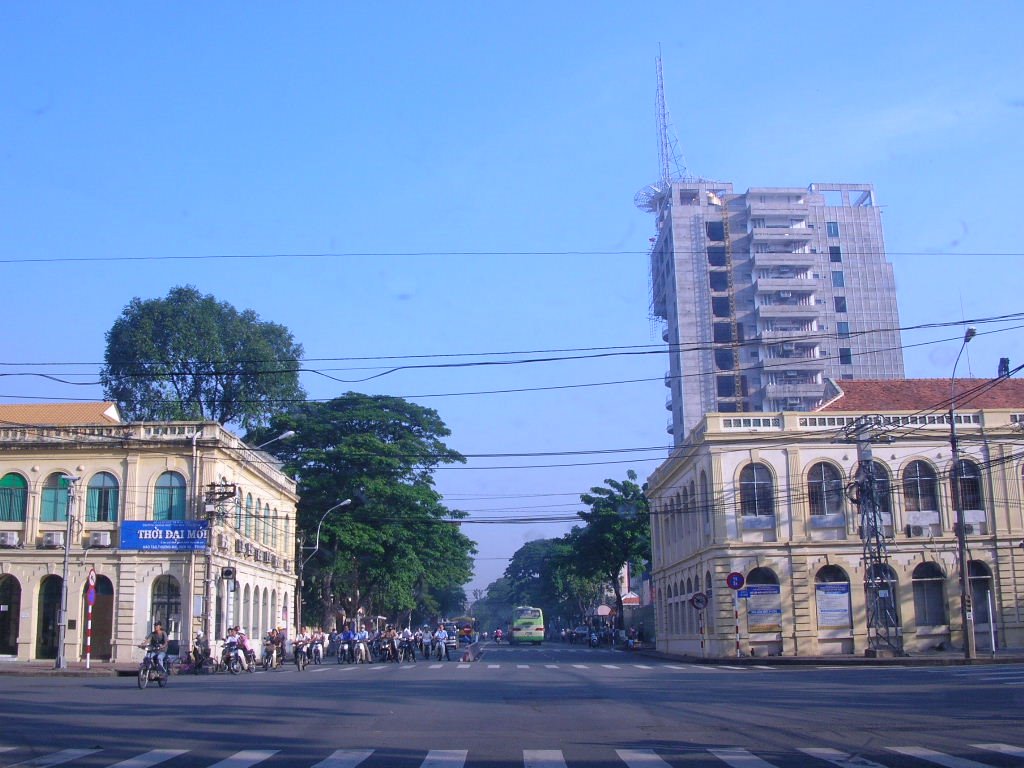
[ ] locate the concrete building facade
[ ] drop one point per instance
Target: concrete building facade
(768, 496)
(177, 521)
(767, 293)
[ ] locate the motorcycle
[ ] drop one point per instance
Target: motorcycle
(271, 658)
(406, 650)
(248, 653)
(593, 640)
(231, 658)
(344, 652)
(316, 652)
(301, 659)
(150, 670)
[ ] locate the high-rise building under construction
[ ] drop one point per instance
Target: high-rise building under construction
(766, 293)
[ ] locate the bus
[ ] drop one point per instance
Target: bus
(527, 625)
(463, 627)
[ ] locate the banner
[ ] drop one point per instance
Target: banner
(764, 608)
(833, 601)
(164, 535)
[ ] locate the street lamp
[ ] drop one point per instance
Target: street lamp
(303, 561)
(62, 620)
(966, 610)
(283, 436)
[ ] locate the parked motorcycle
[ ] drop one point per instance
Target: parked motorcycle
(150, 670)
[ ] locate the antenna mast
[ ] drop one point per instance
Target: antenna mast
(668, 153)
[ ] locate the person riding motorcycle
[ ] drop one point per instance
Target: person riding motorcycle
(498, 635)
(156, 642)
(441, 641)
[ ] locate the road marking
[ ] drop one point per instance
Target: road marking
(464, 666)
(522, 666)
(436, 666)
(445, 758)
(153, 757)
(939, 758)
(344, 758)
(580, 666)
(494, 666)
(610, 666)
(57, 758)
(543, 758)
(641, 666)
(841, 759)
(245, 758)
(551, 666)
(1005, 749)
(726, 666)
(739, 758)
(635, 758)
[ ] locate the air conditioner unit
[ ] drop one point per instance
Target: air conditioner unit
(222, 541)
(273, 560)
(53, 539)
(915, 531)
(248, 549)
(8, 539)
(968, 529)
(239, 546)
(99, 539)
(287, 566)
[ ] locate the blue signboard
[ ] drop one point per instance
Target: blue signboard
(164, 535)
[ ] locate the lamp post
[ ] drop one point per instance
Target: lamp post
(62, 618)
(283, 436)
(966, 610)
(303, 560)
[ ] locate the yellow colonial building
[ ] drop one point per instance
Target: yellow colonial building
(768, 503)
(177, 521)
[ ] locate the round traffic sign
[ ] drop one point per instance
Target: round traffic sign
(699, 601)
(91, 595)
(92, 577)
(734, 580)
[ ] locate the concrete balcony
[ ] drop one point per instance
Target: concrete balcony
(796, 335)
(788, 311)
(783, 391)
(781, 234)
(802, 285)
(764, 260)
(777, 207)
(668, 403)
(670, 427)
(812, 365)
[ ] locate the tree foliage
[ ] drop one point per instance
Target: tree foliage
(400, 553)
(189, 356)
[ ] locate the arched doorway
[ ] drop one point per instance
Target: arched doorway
(10, 610)
(49, 613)
(166, 605)
(102, 619)
(833, 611)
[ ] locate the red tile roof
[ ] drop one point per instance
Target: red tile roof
(926, 394)
(59, 414)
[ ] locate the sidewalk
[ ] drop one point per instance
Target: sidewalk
(931, 658)
(45, 668)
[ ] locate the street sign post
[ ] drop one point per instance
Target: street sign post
(735, 582)
(90, 600)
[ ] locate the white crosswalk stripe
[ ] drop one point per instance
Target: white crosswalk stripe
(147, 759)
(57, 758)
(739, 758)
(1003, 749)
(543, 758)
(610, 666)
(245, 758)
(641, 758)
(344, 758)
(445, 758)
(550, 666)
(580, 666)
(841, 759)
(939, 758)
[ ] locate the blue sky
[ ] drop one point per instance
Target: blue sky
(453, 179)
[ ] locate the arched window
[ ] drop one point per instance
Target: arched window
(266, 524)
(101, 501)
(166, 606)
(238, 511)
(969, 485)
(169, 499)
(54, 504)
(757, 493)
(762, 576)
(705, 502)
(248, 515)
(929, 595)
(273, 529)
(13, 498)
(825, 489)
(883, 487)
(257, 522)
(981, 590)
(832, 598)
(920, 488)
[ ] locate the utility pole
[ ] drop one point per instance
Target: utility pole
(62, 618)
(214, 500)
(966, 607)
(884, 638)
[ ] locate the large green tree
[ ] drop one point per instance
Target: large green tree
(400, 553)
(189, 356)
(617, 531)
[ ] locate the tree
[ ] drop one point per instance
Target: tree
(401, 552)
(618, 531)
(189, 356)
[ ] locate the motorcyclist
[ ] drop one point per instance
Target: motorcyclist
(362, 638)
(248, 651)
(441, 639)
(156, 642)
(498, 635)
(200, 650)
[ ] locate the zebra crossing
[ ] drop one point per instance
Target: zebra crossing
(688, 755)
(701, 668)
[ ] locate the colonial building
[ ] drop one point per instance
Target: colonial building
(177, 521)
(770, 497)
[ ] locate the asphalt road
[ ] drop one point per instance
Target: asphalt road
(544, 707)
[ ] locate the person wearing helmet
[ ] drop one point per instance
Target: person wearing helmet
(157, 641)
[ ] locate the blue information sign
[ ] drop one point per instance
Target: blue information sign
(164, 535)
(734, 580)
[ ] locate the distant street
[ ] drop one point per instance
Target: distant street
(546, 707)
